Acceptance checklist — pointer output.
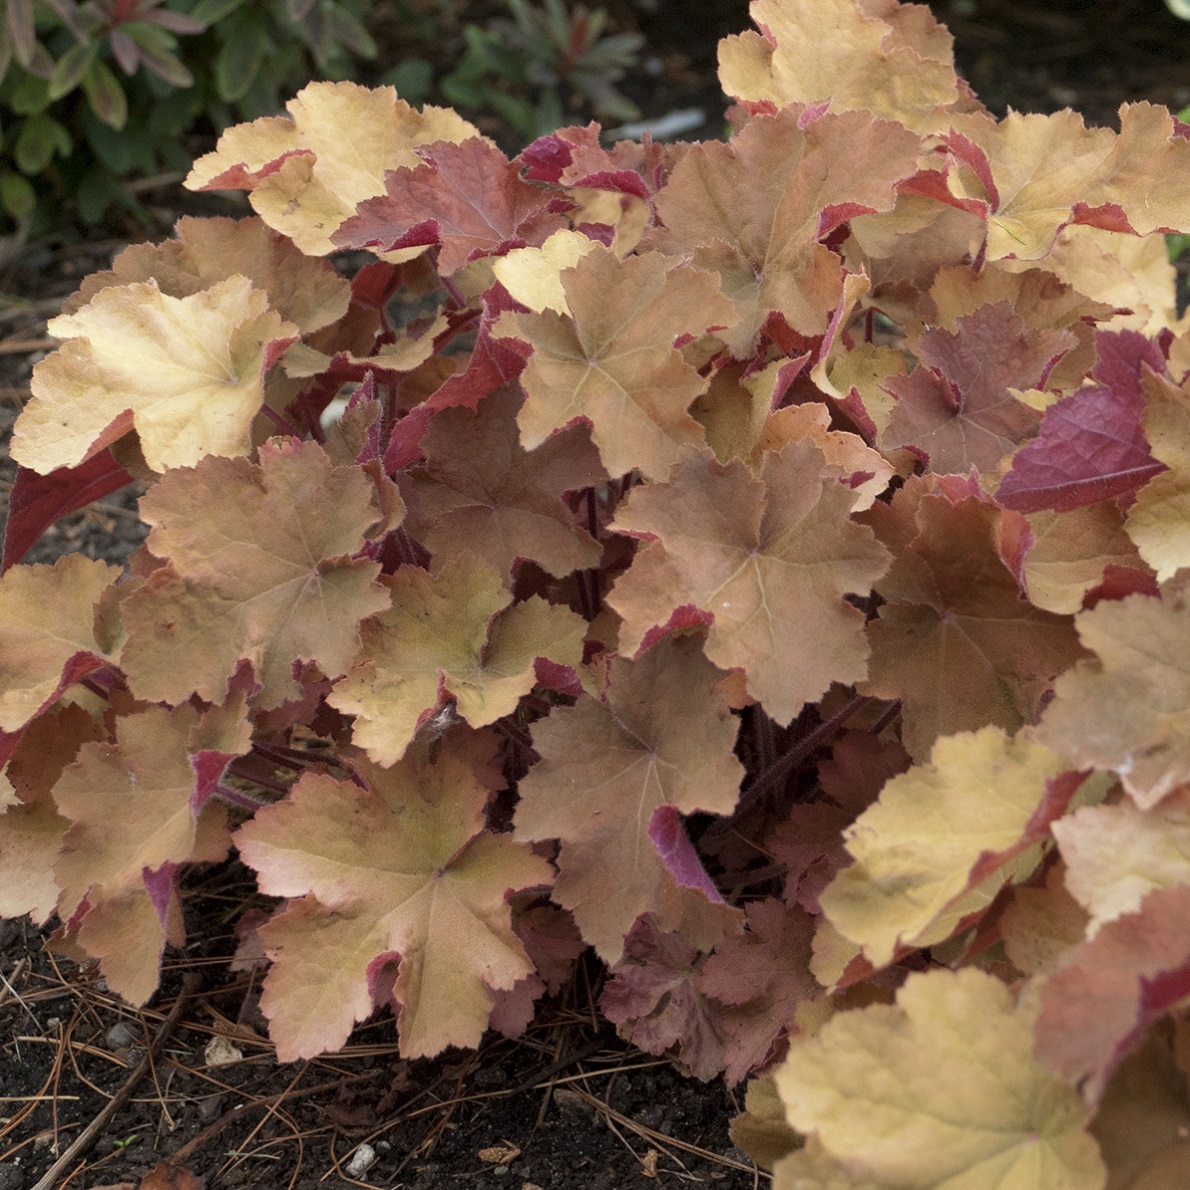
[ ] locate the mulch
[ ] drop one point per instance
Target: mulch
(192, 1078)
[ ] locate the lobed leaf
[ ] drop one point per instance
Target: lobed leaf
(51, 634)
(454, 635)
(765, 560)
(257, 573)
(467, 197)
(755, 210)
(943, 838)
(867, 1087)
(305, 176)
(1108, 991)
(955, 639)
(958, 409)
(139, 808)
(31, 828)
(481, 492)
(398, 872)
(302, 290)
(611, 361)
(1117, 854)
(187, 374)
(1157, 521)
(1125, 709)
(884, 63)
(656, 738)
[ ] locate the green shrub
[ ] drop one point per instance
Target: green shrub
(95, 93)
(528, 67)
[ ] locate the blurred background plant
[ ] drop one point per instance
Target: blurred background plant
(96, 93)
(103, 100)
(542, 66)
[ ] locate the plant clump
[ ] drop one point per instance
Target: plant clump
(761, 561)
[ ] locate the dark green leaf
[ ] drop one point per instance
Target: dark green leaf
(105, 95)
(30, 94)
(41, 136)
(349, 32)
(70, 70)
(239, 59)
(211, 12)
(98, 191)
(17, 195)
(413, 80)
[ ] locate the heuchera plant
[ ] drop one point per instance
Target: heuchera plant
(762, 561)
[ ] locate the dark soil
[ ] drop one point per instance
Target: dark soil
(568, 1105)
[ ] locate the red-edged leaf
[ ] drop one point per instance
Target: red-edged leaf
(574, 157)
(677, 853)
(1102, 1000)
(958, 409)
(468, 197)
(1091, 445)
(37, 501)
(492, 362)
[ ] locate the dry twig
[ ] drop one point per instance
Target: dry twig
(91, 1133)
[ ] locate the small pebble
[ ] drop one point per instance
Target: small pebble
(363, 1160)
(120, 1036)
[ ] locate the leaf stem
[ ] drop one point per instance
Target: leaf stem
(776, 773)
(280, 422)
(237, 797)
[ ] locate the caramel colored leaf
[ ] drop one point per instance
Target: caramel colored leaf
(139, 808)
(657, 738)
(767, 560)
(303, 290)
(309, 170)
(31, 828)
(1050, 170)
(755, 209)
(480, 491)
(48, 630)
(1107, 991)
(876, 59)
(1117, 854)
(612, 362)
(258, 572)
(955, 639)
(450, 635)
(1071, 552)
(965, 819)
(1128, 708)
(1157, 521)
(186, 373)
(468, 197)
(957, 409)
(396, 872)
(534, 275)
(1143, 1120)
(867, 1086)
(760, 1130)
(1040, 924)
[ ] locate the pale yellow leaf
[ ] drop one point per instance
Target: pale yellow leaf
(941, 1092)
